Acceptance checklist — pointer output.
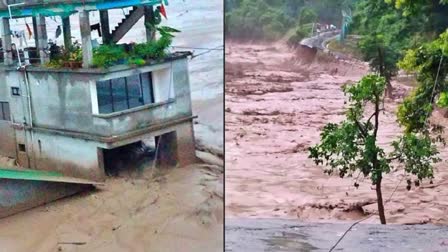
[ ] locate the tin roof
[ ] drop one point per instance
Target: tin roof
(37, 175)
(27, 8)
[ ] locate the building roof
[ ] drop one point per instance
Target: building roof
(37, 175)
(28, 8)
(101, 71)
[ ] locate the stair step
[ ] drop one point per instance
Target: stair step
(130, 19)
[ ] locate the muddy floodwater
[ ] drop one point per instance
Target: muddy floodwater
(276, 107)
(178, 209)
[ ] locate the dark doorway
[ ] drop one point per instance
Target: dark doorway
(127, 158)
(135, 157)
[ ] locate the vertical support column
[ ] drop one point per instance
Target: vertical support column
(7, 42)
(35, 34)
(42, 39)
(149, 18)
(67, 32)
(86, 38)
(168, 153)
(105, 30)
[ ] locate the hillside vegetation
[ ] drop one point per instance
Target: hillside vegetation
(272, 19)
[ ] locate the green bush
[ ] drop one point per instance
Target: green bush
(256, 19)
(307, 15)
(108, 55)
(301, 32)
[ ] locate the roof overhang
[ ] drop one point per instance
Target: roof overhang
(66, 9)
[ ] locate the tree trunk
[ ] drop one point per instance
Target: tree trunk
(382, 69)
(389, 89)
(379, 196)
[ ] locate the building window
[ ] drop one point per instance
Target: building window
(125, 93)
(15, 91)
(5, 114)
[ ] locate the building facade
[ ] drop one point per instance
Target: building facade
(67, 120)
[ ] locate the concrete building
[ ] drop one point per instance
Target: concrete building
(71, 120)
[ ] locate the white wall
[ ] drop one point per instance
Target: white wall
(163, 85)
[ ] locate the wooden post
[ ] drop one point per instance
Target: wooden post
(7, 42)
(149, 18)
(86, 38)
(105, 30)
(42, 39)
(66, 29)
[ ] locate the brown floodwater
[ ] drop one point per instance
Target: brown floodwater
(276, 107)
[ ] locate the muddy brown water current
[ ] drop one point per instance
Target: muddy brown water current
(276, 106)
(180, 209)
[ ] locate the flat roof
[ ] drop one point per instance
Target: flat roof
(29, 8)
(37, 68)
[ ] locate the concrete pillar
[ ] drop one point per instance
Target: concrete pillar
(186, 147)
(167, 154)
(6, 40)
(35, 34)
(86, 38)
(42, 39)
(149, 18)
(105, 30)
(177, 147)
(67, 32)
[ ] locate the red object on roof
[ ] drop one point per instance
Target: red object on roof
(163, 11)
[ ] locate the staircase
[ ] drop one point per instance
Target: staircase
(127, 23)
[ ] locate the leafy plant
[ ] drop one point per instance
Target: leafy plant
(68, 57)
(108, 55)
(136, 61)
(352, 145)
(156, 49)
(430, 62)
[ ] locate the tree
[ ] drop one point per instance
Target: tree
(352, 146)
(430, 63)
(386, 33)
(307, 15)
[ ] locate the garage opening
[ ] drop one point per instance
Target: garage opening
(136, 157)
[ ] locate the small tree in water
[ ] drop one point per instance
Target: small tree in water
(352, 145)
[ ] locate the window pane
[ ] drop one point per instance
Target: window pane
(119, 94)
(104, 97)
(148, 95)
(6, 113)
(134, 91)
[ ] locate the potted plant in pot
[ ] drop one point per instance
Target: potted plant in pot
(74, 56)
